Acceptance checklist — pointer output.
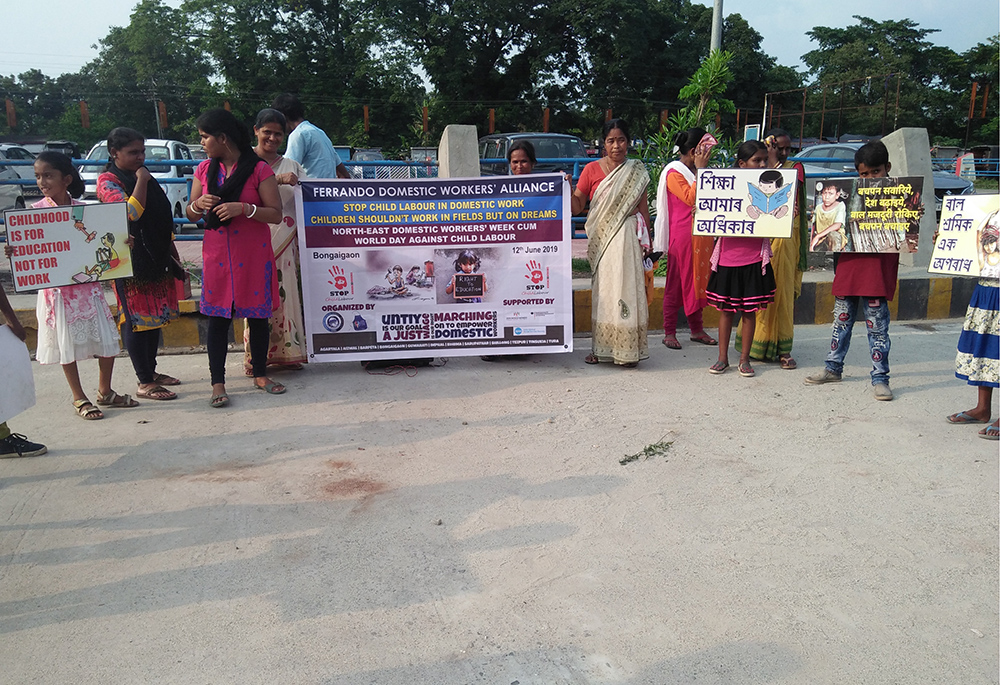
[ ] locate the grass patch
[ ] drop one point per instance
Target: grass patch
(985, 183)
(581, 267)
(657, 449)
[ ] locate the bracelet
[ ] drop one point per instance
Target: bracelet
(191, 208)
(250, 215)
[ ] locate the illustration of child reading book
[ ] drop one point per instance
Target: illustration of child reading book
(768, 196)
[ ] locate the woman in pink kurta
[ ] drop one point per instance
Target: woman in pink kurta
(236, 193)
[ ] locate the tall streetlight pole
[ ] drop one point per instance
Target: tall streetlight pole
(717, 26)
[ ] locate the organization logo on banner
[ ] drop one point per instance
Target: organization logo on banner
(529, 330)
(537, 276)
(333, 322)
(342, 281)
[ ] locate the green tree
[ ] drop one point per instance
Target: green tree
(864, 53)
(151, 59)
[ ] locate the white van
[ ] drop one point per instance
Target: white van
(156, 149)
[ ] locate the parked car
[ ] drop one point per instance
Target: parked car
(156, 150)
(67, 147)
(26, 193)
(367, 155)
(843, 155)
(197, 151)
(11, 194)
(547, 146)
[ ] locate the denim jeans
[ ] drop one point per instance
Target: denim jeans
(845, 313)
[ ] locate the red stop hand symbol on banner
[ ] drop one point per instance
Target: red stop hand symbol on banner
(534, 272)
(339, 279)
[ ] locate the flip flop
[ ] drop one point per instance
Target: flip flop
(157, 392)
(962, 417)
(704, 338)
(270, 387)
(591, 359)
(746, 370)
(219, 401)
(672, 343)
(990, 433)
(787, 362)
(164, 379)
(718, 368)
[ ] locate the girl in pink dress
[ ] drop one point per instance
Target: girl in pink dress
(236, 193)
(74, 321)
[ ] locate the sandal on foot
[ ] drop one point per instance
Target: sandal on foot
(591, 359)
(963, 417)
(219, 401)
(787, 362)
(704, 338)
(113, 399)
(87, 411)
(164, 379)
(157, 392)
(746, 370)
(990, 433)
(672, 343)
(270, 387)
(718, 368)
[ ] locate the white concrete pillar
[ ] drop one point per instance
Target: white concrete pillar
(458, 152)
(910, 155)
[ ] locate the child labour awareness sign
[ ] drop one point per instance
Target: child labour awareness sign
(67, 245)
(396, 269)
(866, 214)
(746, 203)
(967, 241)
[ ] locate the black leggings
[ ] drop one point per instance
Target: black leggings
(218, 346)
(141, 345)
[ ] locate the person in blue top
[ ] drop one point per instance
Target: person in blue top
(307, 144)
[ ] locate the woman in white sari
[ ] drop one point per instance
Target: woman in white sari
(287, 344)
(617, 240)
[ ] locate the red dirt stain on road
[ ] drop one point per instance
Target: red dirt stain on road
(352, 487)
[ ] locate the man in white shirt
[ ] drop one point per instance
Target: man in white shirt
(307, 144)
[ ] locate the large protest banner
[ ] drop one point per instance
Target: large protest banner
(866, 214)
(967, 237)
(395, 269)
(66, 245)
(745, 203)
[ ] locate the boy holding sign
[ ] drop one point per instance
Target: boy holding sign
(868, 281)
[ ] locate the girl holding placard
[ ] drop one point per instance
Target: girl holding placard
(74, 321)
(742, 279)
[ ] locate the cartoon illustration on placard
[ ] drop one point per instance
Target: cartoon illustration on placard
(768, 196)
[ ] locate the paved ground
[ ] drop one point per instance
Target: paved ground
(472, 524)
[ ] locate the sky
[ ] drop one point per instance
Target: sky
(68, 44)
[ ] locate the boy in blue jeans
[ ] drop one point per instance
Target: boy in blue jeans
(863, 281)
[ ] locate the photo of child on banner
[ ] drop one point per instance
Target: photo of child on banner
(967, 238)
(468, 282)
(866, 214)
(744, 202)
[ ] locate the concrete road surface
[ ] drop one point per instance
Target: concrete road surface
(471, 523)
